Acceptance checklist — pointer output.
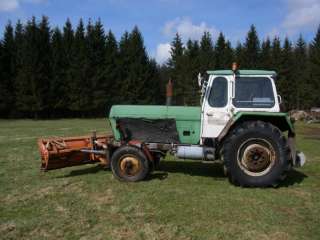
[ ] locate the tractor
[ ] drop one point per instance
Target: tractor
(238, 123)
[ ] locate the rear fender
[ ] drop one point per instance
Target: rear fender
(280, 120)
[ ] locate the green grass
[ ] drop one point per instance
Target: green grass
(183, 200)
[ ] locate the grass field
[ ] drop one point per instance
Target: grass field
(183, 200)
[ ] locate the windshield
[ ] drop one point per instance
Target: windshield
(253, 92)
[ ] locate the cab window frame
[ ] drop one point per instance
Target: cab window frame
(211, 101)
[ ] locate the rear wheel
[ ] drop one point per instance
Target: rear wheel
(129, 164)
(256, 154)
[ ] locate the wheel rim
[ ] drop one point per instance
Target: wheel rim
(129, 165)
(256, 157)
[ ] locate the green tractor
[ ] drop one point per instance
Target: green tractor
(238, 122)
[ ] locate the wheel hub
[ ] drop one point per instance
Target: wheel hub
(129, 166)
(256, 157)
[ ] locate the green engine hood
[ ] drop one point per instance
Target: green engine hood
(187, 118)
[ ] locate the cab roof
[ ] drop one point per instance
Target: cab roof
(242, 72)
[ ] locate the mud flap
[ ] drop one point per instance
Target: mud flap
(298, 158)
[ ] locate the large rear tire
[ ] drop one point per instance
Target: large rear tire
(129, 164)
(256, 154)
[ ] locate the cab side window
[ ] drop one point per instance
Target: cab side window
(219, 92)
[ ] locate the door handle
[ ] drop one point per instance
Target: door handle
(209, 114)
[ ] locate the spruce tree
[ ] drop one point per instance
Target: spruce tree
(285, 79)
(176, 65)
(96, 59)
(124, 61)
(206, 53)
(67, 41)
(176, 51)
(238, 53)
(276, 54)
(8, 72)
(223, 53)
(135, 69)
(301, 82)
(33, 77)
(315, 69)
(3, 90)
(266, 57)
(44, 65)
(112, 82)
(19, 57)
(219, 52)
(251, 49)
(229, 55)
(58, 87)
(79, 85)
(190, 72)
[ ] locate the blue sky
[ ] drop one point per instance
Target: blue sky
(159, 20)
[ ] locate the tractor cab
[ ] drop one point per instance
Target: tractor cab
(227, 92)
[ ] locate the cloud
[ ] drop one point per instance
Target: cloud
(8, 5)
(187, 29)
(12, 5)
(163, 52)
(302, 15)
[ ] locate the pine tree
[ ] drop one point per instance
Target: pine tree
(223, 53)
(266, 57)
(3, 90)
(58, 87)
(176, 65)
(176, 51)
(33, 77)
(153, 84)
(251, 49)
(206, 53)
(44, 67)
(239, 52)
(124, 61)
(96, 59)
(8, 72)
(301, 84)
(67, 41)
(315, 69)
(276, 54)
(229, 55)
(219, 52)
(79, 86)
(134, 69)
(285, 81)
(190, 72)
(111, 84)
(19, 45)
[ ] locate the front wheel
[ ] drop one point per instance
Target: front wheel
(256, 154)
(129, 164)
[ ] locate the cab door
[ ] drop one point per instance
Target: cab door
(215, 110)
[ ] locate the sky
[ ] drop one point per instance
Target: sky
(159, 20)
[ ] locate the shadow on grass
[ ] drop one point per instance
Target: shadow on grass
(294, 177)
(192, 168)
(84, 171)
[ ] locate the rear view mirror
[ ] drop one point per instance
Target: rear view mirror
(200, 80)
(279, 99)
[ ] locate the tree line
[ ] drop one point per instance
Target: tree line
(82, 71)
